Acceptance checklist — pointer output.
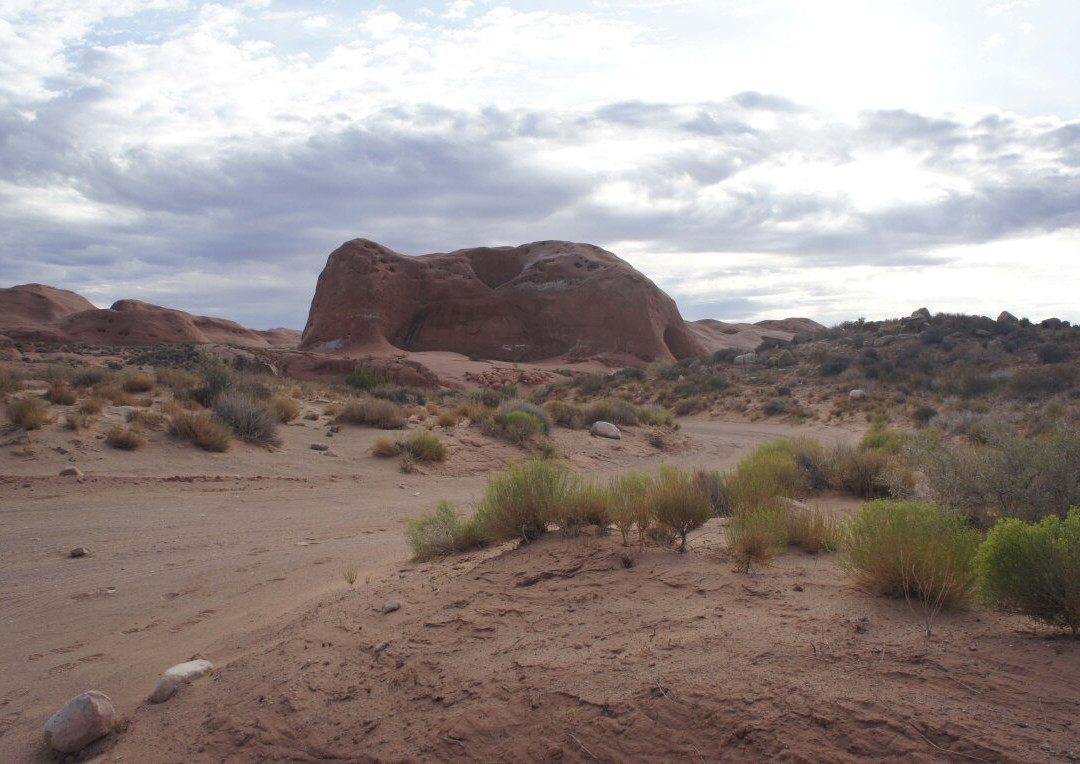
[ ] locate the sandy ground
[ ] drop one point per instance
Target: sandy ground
(197, 554)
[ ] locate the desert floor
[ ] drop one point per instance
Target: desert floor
(554, 651)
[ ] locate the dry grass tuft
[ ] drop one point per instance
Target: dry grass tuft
(283, 408)
(125, 438)
(60, 395)
(373, 412)
(138, 382)
(28, 413)
(200, 428)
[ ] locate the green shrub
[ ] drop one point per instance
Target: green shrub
(88, 376)
(28, 413)
(586, 503)
(614, 410)
(425, 446)
(399, 394)
(761, 479)
(523, 500)
(247, 419)
(137, 382)
(365, 378)
(518, 427)
(678, 506)
(655, 416)
(812, 463)
(442, 532)
(534, 411)
(912, 549)
(447, 419)
(175, 379)
(61, 395)
(757, 534)
(508, 390)
(125, 438)
(283, 408)
(881, 438)
(1034, 569)
(629, 494)
(201, 429)
(860, 473)
(373, 413)
(565, 414)
(711, 485)
(814, 530)
(216, 379)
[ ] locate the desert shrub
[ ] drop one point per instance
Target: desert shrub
(586, 503)
(655, 416)
(114, 395)
(1034, 569)
(518, 427)
(283, 408)
(614, 410)
(9, 382)
(312, 416)
(215, 377)
(28, 413)
(912, 549)
(175, 379)
(1032, 383)
(1052, 352)
(365, 378)
(137, 382)
(443, 532)
(757, 534)
(922, 414)
(201, 429)
(426, 446)
(125, 438)
(372, 412)
(247, 419)
(386, 448)
(520, 502)
(508, 390)
(629, 500)
(881, 438)
(686, 406)
(834, 364)
(61, 395)
(150, 419)
(407, 463)
(534, 411)
(88, 376)
(711, 485)
(399, 394)
(92, 406)
(858, 472)
(332, 409)
(447, 419)
(168, 408)
(813, 530)
(678, 505)
(77, 421)
(488, 396)
(774, 407)
(565, 414)
(812, 463)
(761, 479)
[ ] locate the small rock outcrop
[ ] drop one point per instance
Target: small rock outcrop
(79, 722)
(177, 676)
(923, 313)
(71, 472)
(857, 395)
(605, 430)
(1005, 317)
(527, 303)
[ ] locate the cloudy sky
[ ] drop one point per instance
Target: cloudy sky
(756, 158)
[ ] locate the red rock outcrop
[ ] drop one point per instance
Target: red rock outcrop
(542, 300)
(717, 335)
(29, 311)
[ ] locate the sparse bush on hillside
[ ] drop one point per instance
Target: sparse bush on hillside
(711, 485)
(373, 413)
(614, 410)
(762, 478)
(859, 472)
(283, 408)
(528, 408)
(565, 414)
(653, 416)
(834, 364)
(88, 376)
(1052, 352)
(447, 419)
(586, 503)
(1034, 569)
(125, 438)
(176, 379)
(443, 532)
(426, 447)
(365, 378)
(137, 382)
(28, 413)
(201, 429)
(521, 502)
(1034, 383)
(678, 505)
(60, 395)
(911, 549)
(247, 419)
(92, 406)
(399, 394)
(216, 379)
(757, 534)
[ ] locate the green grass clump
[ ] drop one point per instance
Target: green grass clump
(912, 549)
(565, 414)
(758, 534)
(443, 532)
(760, 480)
(201, 429)
(678, 506)
(372, 412)
(536, 412)
(1033, 569)
(629, 494)
(813, 530)
(125, 438)
(858, 472)
(364, 378)
(426, 446)
(653, 415)
(247, 419)
(523, 500)
(28, 413)
(614, 410)
(587, 503)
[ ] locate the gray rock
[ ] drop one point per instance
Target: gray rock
(71, 472)
(1006, 317)
(785, 358)
(746, 359)
(177, 676)
(857, 395)
(390, 606)
(381, 647)
(79, 551)
(319, 447)
(923, 313)
(606, 430)
(80, 722)
(887, 339)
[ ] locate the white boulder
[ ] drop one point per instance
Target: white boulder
(606, 430)
(178, 675)
(80, 722)
(857, 395)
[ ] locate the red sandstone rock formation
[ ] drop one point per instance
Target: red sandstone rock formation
(527, 303)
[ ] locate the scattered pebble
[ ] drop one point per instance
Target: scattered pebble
(71, 472)
(320, 447)
(79, 551)
(380, 647)
(79, 722)
(390, 606)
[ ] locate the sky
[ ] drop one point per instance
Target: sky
(757, 159)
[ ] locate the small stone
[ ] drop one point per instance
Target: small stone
(80, 722)
(319, 447)
(381, 647)
(177, 676)
(390, 606)
(71, 472)
(857, 395)
(79, 551)
(606, 430)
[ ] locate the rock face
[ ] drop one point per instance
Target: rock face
(526, 303)
(40, 313)
(177, 676)
(80, 722)
(718, 335)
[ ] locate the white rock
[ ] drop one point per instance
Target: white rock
(606, 430)
(857, 395)
(390, 606)
(746, 359)
(180, 674)
(80, 722)
(71, 472)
